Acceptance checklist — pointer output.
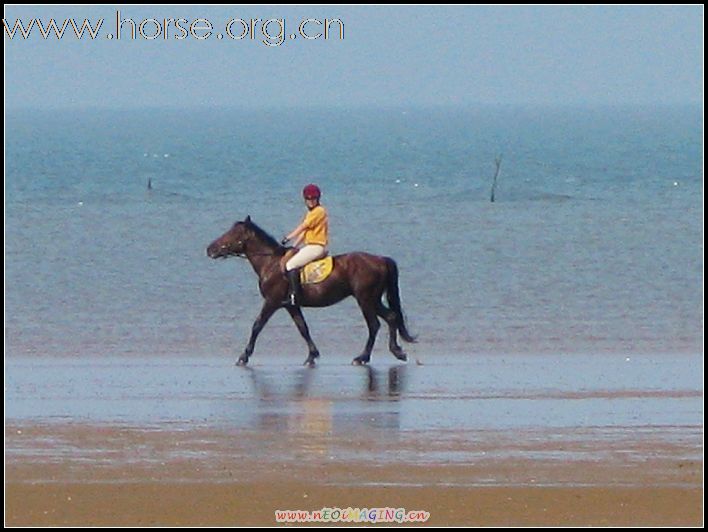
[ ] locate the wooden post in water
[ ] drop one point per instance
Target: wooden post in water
(497, 161)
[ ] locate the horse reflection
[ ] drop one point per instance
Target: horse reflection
(380, 407)
(308, 418)
(394, 385)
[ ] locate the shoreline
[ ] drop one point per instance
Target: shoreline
(535, 441)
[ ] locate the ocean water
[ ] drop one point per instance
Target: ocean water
(594, 245)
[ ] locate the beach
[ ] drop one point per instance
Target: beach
(65, 500)
(157, 451)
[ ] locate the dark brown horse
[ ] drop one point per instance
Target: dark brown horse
(364, 276)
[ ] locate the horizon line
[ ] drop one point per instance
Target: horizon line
(324, 106)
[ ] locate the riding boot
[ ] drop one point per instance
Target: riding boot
(294, 292)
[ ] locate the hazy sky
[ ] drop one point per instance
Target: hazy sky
(388, 56)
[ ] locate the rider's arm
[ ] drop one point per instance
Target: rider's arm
(298, 240)
(298, 231)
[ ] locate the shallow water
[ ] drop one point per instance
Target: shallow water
(447, 393)
(608, 410)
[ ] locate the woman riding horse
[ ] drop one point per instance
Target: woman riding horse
(362, 275)
(314, 232)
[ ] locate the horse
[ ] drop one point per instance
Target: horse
(364, 276)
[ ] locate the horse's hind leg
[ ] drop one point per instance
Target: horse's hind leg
(368, 308)
(392, 321)
(299, 320)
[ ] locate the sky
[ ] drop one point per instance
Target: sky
(388, 56)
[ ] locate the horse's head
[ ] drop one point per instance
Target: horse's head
(232, 242)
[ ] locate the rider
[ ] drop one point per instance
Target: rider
(313, 231)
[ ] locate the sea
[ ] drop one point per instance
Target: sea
(594, 243)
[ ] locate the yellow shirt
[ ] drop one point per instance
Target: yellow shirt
(316, 226)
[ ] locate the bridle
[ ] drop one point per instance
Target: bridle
(243, 255)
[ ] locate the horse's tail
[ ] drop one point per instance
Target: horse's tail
(394, 300)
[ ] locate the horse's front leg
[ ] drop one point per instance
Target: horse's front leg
(266, 312)
(299, 320)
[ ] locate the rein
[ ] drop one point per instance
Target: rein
(258, 254)
(244, 256)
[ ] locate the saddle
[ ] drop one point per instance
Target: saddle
(313, 272)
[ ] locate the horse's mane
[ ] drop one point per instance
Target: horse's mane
(263, 235)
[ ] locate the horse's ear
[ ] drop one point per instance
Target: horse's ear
(248, 219)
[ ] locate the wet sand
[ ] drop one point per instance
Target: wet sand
(73, 474)
(151, 503)
(494, 442)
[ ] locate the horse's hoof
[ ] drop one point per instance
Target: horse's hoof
(242, 362)
(402, 357)
(358, 361)
(309, 363)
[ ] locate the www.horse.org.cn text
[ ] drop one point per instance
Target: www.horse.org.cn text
(268, 31)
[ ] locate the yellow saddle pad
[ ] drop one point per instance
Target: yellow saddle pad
(316, 271)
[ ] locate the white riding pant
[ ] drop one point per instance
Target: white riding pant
(306, 255)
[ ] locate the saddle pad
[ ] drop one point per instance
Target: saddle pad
(316, 271)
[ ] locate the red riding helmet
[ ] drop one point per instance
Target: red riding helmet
(311, 192)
